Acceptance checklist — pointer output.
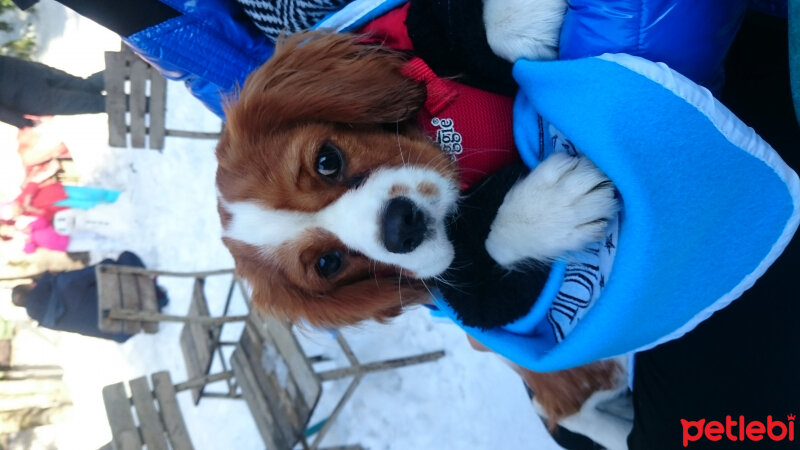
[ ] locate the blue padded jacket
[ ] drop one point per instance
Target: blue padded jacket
(691, 36)
(211, 47)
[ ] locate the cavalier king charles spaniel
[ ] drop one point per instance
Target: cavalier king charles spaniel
(334, 203)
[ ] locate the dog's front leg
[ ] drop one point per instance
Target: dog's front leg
(527, 29)
(561, 206)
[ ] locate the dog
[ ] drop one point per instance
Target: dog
(334, 203)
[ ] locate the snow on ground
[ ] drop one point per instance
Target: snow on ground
(167, 215)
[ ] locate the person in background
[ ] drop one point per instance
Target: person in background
(67, 301)
(29, 88)
(44, 200)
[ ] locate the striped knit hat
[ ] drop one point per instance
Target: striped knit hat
(275, 16)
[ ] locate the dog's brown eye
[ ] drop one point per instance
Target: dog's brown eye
(329, 161)
(329, 264)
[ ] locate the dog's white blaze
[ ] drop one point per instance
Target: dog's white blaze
(264, 227)
(355, 219)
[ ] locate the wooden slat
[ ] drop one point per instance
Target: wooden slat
(168, 273)
(158, 105)
(203, 335)
(289, 393)
(388, 364)
(200, 381)
(170, 412)
(191, 358)
(137, 106)
(272, 375)
(129, 440)
(299, 384)
(196, 339)
(109, 298)
(127, 52)
(128, 314)
(301, 369)
(114, 79)
(120, 418)
(149, 420)
(256, 402)
(129, 287)
(147, 294)
(336, 411)
(194, 134)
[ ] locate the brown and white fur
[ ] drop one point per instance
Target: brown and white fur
(320, 143)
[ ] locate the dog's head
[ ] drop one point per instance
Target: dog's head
(332, 201)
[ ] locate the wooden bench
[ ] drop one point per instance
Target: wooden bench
(136, 103)
(282, 388)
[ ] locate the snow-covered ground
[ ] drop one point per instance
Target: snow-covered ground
(167, 215)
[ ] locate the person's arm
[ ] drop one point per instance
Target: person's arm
(25, 4)
(207, 44)
(124, 17)
(189, 48)
(25, 200)
(14, 117)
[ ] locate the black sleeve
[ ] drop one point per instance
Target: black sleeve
(124, 17)
(483, 293)
(745, 359)
(25, 4)
(14, 117)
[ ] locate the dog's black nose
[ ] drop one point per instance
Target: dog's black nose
(404, 226)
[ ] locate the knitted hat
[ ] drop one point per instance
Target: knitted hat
(288, 16)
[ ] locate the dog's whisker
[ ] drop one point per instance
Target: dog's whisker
(399, 144)
(425, 285)
(375, 272)
(458, 287)
(400, 288)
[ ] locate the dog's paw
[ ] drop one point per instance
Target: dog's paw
(561, 206)
(527, 29)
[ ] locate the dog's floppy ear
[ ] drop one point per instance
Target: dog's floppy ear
(320, 76)
(346, 305)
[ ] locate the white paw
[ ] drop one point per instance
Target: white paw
(561, 206)
(527, 29)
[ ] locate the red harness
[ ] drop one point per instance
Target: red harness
(471, 125)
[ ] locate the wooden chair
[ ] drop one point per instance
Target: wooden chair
(199, 342)
(127, 301)
(127, 304)
(282, 388)
(136, 103)
(158, 420)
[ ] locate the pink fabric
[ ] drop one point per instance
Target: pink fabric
(43, 235)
